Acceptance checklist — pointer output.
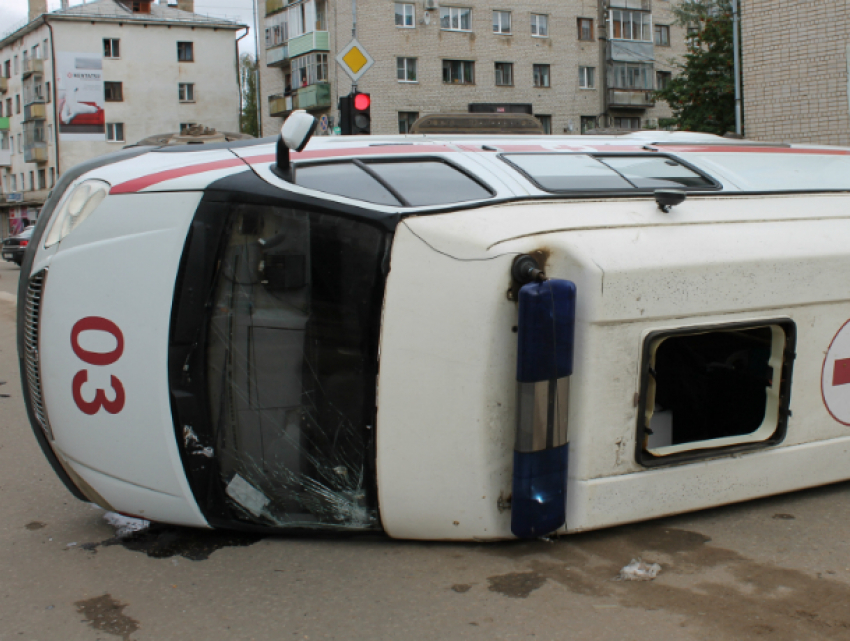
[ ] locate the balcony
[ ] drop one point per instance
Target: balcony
(35, 153)
(311, 97)
(631, 98)
(273, 6)
(35, 111)
(4, 85)
(5, 157)
(313, 41)
(4, 124)
(33, 65)
(278, 56)
(280, 105)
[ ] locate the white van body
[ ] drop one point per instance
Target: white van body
(754, 258)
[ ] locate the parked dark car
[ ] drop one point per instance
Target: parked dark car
(15, 246)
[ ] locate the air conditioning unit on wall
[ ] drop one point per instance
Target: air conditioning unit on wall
(430, 5)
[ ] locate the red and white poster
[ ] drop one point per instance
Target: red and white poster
(79, 90)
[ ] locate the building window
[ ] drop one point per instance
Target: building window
(456, 18)
(406, 120)
(504, 74)
(588, 123)
(627, 123)
(587, 77)
(15, 60)
(540, 74)
(186, 91)
(662, 35)
(18, 103)
(42, 179)
(111, 48)
(8, 107)
(36, 52)
(502, 22)
(310, 69)
(52, 178)
(405, 15)
(46, 50)
(631, 25)
(459, 72)
(113, 91)
(115, 132)
(49, 134)
(14, 183)
(585, 29)
(406, 69)
(7, 69)
(546, 121)
(627, 75)
(693, 32)
(185, 52)
(32, 181)
(539, 25)
(662, 79)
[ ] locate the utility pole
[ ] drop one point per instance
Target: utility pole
(735, 53)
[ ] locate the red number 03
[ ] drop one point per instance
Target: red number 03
(100, 359)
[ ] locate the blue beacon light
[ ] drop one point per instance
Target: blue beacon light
(546, 333)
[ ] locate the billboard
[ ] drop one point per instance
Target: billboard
(79, 90)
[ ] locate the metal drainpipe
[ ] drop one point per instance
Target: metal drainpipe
(239, 77)
(55, 100)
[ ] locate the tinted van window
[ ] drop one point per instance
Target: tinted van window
(344, 179)
(423, 183)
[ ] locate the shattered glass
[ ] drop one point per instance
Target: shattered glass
(291, 352)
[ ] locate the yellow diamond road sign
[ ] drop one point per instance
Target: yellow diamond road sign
(354, 60)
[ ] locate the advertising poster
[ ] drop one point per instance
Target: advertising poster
(79, 90)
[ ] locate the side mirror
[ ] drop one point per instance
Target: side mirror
(295, 134)
(667, 198)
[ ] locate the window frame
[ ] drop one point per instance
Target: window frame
(536, 73)
(113, 126)
(405, 6)
(667, 75)
(404, 69)
(451, 12)
(535, 25)
(191, 50)
(500, 14)
(113, 45)
(546, 123)
(584, 76)
(112, 84)
(463, 64)
(186, 92)
(408, 122)
(510, 70)
(632, 12)
(659, 29)
(580, 23)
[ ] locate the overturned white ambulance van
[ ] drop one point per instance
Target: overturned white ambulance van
(441, 337)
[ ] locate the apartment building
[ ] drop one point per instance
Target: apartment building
(87, 80)
(796, 65)
(575, 64)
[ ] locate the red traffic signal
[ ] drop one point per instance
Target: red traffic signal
(362, 101)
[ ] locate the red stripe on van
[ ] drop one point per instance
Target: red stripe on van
(749, 150)
(137, 184)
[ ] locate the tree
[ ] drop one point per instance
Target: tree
(248, 71)
(702, 95)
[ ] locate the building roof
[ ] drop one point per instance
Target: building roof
(116, 11)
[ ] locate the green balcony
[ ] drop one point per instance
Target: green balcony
(312, 97)
(4, 124)
(313, 41)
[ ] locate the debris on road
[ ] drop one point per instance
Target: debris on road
(637, 570)
(125, 525)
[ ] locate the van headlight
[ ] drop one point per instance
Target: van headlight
(75, 208)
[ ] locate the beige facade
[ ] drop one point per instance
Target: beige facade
(141, 62)
(795, 61)
(554, 58)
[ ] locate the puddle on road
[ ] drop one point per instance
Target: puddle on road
(105, 614)
(751, 600)
(162, 542)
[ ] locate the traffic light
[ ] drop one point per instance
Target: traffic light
(355, 116)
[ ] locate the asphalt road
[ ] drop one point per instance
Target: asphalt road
(776, 569)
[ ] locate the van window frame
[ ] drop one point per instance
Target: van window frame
(715, 185)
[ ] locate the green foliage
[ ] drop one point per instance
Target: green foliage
(702, 95)
(248, 75)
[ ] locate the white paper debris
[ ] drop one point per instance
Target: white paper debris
(247, 495)
(125, 525)
(637, 570)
